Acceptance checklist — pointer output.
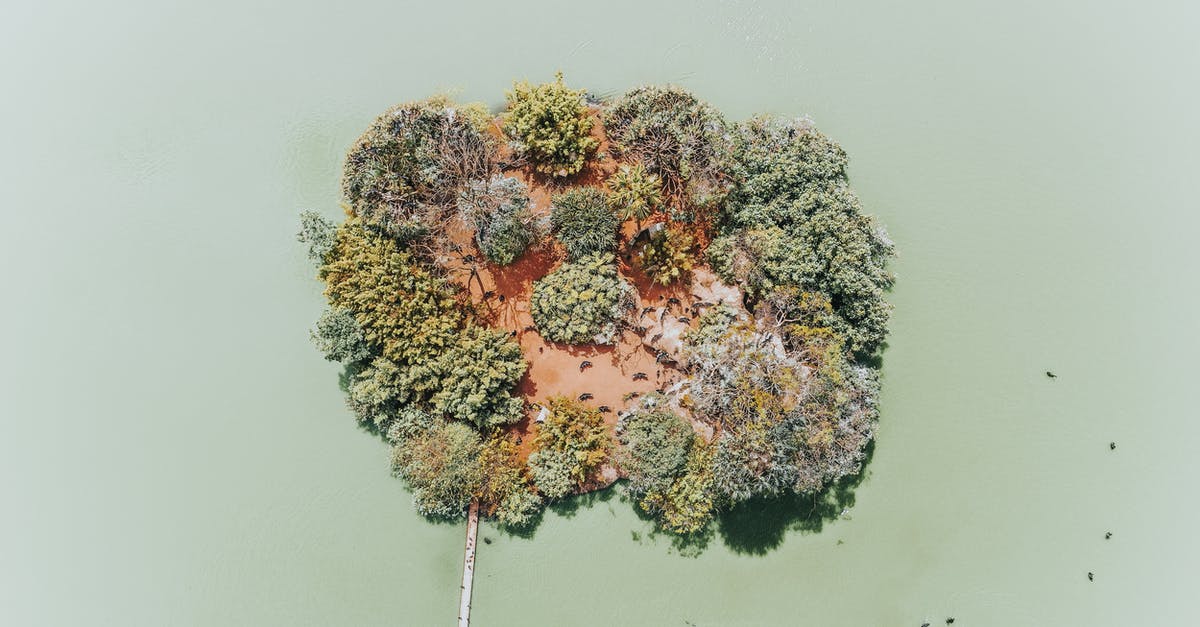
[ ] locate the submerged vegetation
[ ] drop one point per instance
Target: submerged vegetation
(759, 301)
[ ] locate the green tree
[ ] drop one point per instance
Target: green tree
(339, 337)
(506, 492)
(679, 138)
(405, 172)
(318, 232)
(687, 505)
(583, 222)
(408, 314)
(442, 467)
(551, 125)
(571, 444)
(476, 376)
(654, 448)
(499, 209)
(668, 256)
(581, 301)
(634, 193)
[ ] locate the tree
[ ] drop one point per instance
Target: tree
(405, 172)
(679, 138)
(499, 209)
(581, 301)
(687, 505)
(476, 376)
(569, 446)
(654, 448)
(634, 193)
(318, 232)
(410, 316)
(792, 220)
(339, 337)
(442, 467)
(551, 125)
(505, 491)
(668, 256)
(583, 222)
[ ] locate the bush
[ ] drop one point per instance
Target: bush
(581, 301)
(569, 446)
(634, 193)
(552, 126)
(668, 256)
(442, 467)
(654, 448)
(476, 375)
(499, 209)
(583, 222)
(678, 137)
(406, 170)
(339, 337)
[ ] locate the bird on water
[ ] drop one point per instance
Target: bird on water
(1051, 375)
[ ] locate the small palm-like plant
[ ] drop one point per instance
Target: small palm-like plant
(634, 193)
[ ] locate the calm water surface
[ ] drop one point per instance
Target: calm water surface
(174, 452)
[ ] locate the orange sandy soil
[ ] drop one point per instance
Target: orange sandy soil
(555, 369)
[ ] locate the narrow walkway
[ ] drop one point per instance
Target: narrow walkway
(464, 603)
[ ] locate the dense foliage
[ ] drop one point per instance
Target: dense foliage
(551, 126)
(441, 464)
(792, 220)
(405, 172)
(654, 447)
(678, 137)
(668, 256)
(570, 445)
(505, 491)
(582, 301)
(339, 337)
(583, 222)
(476, 374)
(499, 209)
(634, 193)
(774, 396)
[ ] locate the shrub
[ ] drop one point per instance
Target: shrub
(339, 337)
(552, 126)
(442, 467)
(581, 301)
(406, 170)
(634, 193)
(583, 222)
(499, 209)
(475, 377)
(654, 448)
(318, 232)
(678, 137)
(668, 256)
(570, 444)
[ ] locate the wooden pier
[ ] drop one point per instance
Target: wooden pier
(464, 603)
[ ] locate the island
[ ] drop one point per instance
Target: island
(578, 291)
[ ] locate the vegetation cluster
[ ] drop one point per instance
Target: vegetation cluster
(779, 388)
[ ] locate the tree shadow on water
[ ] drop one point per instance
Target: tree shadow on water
(760, 525)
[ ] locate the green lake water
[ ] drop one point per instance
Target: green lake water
(174, 452)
